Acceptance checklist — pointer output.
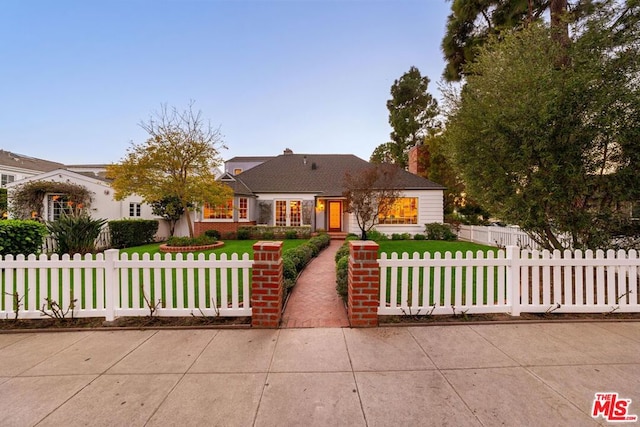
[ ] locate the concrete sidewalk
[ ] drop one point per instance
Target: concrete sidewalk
(471, 375)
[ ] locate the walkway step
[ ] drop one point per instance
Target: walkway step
(314, 302)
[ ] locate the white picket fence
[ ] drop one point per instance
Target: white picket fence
(111, 285)
(497, 236)
(512, 281)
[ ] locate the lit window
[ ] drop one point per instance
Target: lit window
(7, 179)
(403, 211)
(243, 208)
(135, 209)
(237, 171)
(224, 211)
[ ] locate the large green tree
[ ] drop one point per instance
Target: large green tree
(413, 113)
(554, 148)
(472, 22)
(177, 160)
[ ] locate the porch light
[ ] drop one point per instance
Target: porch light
(320, 205)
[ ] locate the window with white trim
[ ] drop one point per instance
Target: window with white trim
(7, 179)
(135, 209)
(57, 204)
(243, 208)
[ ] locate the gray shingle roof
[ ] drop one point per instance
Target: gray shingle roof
(317, 173)
(10, 159)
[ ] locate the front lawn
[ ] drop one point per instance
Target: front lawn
(431, 246)
(230, 247)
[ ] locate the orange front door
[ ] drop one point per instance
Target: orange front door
(335, 215)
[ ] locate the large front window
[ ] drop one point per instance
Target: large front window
(288, 213)
(223, 211)
(403, 211)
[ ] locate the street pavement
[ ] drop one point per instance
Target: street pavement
(518, 374)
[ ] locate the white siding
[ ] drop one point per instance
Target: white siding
(430, 209)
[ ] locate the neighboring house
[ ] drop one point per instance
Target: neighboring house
(103, 205)
(14, 167)
(307, 190)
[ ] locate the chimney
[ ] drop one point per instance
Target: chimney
(416, 162)
(288, 151)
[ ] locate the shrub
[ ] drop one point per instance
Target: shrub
(376, 235)
(21, 237)
(201, 240)
(342, 277)
(291, 234)
(400, 236)
(244, 233)
(214, 234)
(75, 233)
(419, 237)
(268, 235)
(126, 233)
(437, 231)
(321, 241)
(342, 251)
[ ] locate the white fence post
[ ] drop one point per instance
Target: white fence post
(110, 282)
(513, 279)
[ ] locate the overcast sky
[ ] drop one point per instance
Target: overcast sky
(314, 76)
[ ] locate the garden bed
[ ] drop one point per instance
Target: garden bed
(194, 248)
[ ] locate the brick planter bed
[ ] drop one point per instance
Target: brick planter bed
(175, 249)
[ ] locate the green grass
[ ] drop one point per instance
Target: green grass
(239, 247)
(431, 246)
(436, 246)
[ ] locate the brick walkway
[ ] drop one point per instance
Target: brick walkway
(314, 302)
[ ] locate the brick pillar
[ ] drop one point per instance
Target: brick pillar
(364, 284)
(267, 285)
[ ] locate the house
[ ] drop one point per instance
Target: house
(292, 190)
(103, 204)
(14, 167)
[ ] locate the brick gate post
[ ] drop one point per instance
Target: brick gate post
(266, 285)
(364, 284)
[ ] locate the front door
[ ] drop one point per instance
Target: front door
(335, 215)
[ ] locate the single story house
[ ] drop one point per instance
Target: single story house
(307, 190)
(14, 167)
(103, 204)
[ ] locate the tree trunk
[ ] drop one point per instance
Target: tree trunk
(560, 28)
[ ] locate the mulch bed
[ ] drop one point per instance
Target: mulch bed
(504, 318)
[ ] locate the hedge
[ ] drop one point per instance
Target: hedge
(126, 233)
(21, 237)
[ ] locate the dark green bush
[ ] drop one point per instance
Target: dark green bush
(191, 241)
(342, 277)
(438, 231)
(419, 237)
(215, 234)
(75, 234)
(377, 236)
(320, 241)
(126, 233)
(342, 251)
(244, 233)
(291, 234)
(21, 237)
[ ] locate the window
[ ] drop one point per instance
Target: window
(57, 204)
(403, 211)
(224, 211)
(134, 209)
(237, 171)
(7, 179)
(243, 208)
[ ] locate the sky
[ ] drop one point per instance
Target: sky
(78, 77)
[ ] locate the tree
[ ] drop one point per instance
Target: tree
(472, 22)
(412, 115)
(370, 193)
(170, 209)
(177, 160)
(551, 148)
